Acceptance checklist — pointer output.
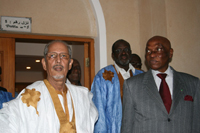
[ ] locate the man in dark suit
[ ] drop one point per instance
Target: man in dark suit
(152, 104)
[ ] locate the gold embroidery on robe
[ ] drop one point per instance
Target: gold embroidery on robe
(108, 75)
(31, 97)
(65, 125)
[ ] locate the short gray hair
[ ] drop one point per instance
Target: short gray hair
(46, 49)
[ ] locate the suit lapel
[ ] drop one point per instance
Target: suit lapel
(151, 89)
(178, 89)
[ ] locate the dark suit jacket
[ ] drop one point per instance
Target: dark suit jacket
(144, 111)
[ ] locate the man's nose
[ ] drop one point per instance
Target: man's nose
(76, 69)
(153, 53)
(124, 52)
(58, 58)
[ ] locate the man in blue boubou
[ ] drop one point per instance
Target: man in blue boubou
(107, 88)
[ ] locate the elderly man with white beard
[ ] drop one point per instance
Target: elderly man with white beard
(51, 106)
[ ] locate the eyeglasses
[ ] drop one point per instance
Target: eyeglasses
(126, 50)
(54, 55)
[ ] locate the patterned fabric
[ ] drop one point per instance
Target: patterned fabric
(5, 97)
(108, 101)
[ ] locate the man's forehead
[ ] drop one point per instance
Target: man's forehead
(121, 44)
(135, 59)
(75, 63)
(57, 45)
(158, 42)
(154, 44)
(159, 39)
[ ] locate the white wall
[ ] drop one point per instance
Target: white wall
(35, 49)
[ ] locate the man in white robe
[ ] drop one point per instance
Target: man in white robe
(51, 106)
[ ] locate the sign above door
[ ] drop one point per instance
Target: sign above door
(18, 24)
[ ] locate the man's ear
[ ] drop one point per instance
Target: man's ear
(70, 63)
(44, 64)
(171, 53)
(112, 56)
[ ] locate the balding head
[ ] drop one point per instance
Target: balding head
(162, 39)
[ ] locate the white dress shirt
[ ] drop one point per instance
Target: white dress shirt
(125, 74)
(168, 79)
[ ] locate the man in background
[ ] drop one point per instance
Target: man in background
(136, 61)
(161, 100)
(107, 88)
(74, 75)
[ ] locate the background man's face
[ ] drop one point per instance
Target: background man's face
(121, 54)
(75, 72)
(136, 62)
(58, 67)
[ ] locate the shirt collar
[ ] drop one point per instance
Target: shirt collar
(168, 72)
(119, 69)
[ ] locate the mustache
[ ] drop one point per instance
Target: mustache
(57, 66)
(123, 55)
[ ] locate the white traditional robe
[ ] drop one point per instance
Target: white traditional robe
(17, 117)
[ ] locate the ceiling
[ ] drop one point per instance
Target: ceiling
(22, 61)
